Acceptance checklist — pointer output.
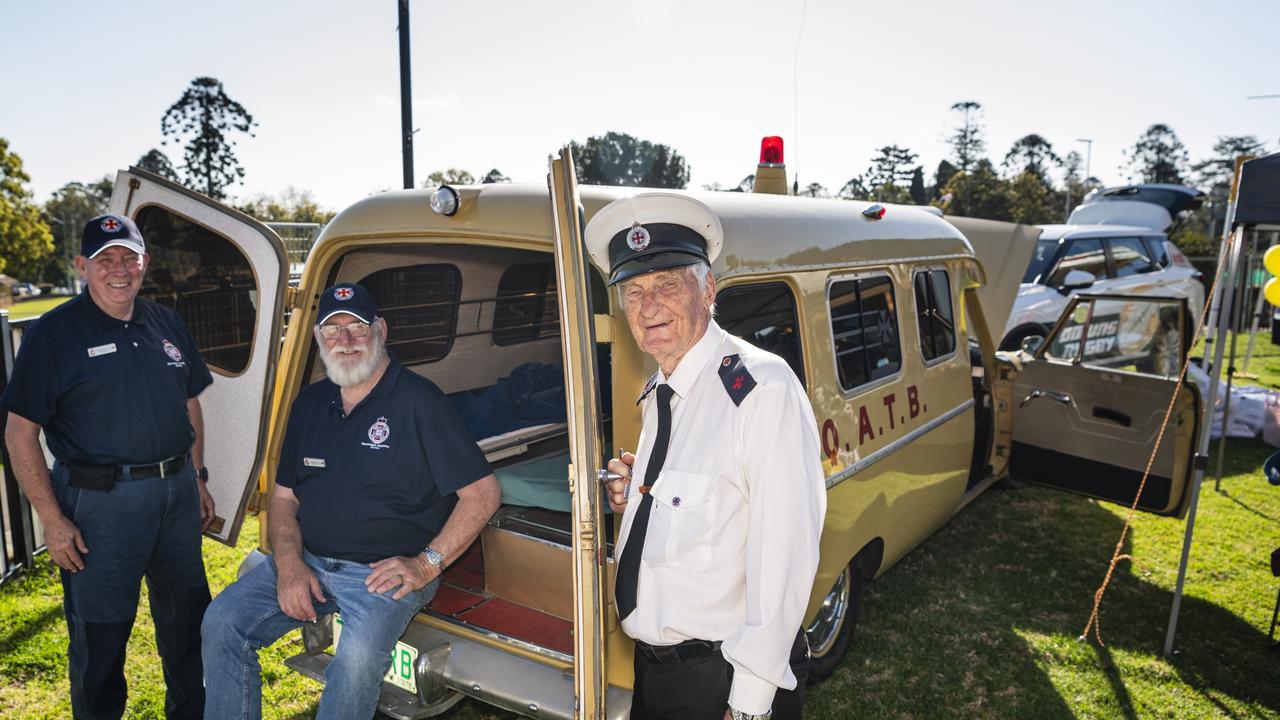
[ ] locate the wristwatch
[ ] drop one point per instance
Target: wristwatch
(203, 474)
(739, 715)
(434, 557)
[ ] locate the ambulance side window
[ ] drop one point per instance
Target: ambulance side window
(526, 307)
(933, 314)
(420, 305)
(864, 330)
(765, 316)
(207, 280)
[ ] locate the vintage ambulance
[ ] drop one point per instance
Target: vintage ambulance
(886, 313)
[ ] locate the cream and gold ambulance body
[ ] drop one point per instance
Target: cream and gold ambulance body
(885, 312)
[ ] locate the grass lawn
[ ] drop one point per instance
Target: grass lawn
(31, 308)
(980, 621)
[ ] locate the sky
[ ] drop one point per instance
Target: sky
(505, 84)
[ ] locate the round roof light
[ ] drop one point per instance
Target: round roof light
(874, 212)
(444, 200)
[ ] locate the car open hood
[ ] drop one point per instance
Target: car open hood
(1150, 205)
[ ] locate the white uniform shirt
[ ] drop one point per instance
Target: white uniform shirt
(732, 545)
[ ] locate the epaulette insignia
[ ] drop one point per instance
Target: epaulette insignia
(736, 378)
(648, 388)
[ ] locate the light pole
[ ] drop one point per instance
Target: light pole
(1088, 155)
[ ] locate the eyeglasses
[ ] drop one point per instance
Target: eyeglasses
(357, 330)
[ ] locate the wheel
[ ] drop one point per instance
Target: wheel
(832, 630)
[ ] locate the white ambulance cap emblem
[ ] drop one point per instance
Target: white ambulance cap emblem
(638, 238)
(343, 293)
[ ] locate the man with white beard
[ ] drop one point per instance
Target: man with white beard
(379, 487)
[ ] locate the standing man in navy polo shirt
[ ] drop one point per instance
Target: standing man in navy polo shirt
(379, 487)
(112, 379)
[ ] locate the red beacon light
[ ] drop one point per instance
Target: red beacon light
(874, 212)
(771, 150)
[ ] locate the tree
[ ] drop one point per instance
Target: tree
(966, 141)
(1214, 174)
(1031, 201)
(25, 239)
(980, 194)
(70, 208)
(452, 176)
(854, 189)
(157, 162)
(495, 176)
(1031, 153)
(941, 176)
(205, 118)
(620, 159)
(1158, 156)
(814, 190)
(919, 195)
(292, 205)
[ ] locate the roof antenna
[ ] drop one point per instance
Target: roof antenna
(795, 99)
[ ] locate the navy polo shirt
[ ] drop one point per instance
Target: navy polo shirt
(108, 391)
(381, 481)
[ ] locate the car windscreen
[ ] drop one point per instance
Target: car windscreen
(1040, 258)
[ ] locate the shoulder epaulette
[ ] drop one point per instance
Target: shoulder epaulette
(648, 388)
(736, 378)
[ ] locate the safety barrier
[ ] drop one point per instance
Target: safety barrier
(21, 536)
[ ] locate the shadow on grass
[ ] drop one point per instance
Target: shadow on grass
(41, 622)
(981, 621)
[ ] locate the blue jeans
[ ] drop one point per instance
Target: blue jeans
(246, 617)
(150, 528)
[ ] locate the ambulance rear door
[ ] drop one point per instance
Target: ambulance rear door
(1091, 404)
(226, 274)
(586, 446)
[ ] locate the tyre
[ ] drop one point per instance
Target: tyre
(831, 631)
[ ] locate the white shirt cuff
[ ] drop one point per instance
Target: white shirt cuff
(750, 694)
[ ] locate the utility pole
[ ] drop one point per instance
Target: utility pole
(406, 94)
(1088, 155)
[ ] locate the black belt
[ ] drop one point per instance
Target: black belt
(687, 650)
(164, 468)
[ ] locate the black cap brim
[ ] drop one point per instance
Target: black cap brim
(652, 263)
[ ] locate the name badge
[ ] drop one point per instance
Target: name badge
(313, 462)
(102, 350)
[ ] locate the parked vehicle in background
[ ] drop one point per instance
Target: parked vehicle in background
(26, 289)
(1116, 242)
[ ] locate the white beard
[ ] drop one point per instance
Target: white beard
(356, 365)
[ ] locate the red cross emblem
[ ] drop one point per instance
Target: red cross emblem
(110, 224)
(638, 238)
(737, 383)
(343, 293)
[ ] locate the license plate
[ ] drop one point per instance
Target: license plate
(403, 657)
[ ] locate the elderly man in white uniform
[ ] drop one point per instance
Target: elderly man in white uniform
(723, 502)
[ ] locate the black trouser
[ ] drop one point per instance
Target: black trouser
(698, 688)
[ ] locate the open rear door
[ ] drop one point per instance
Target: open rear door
(585, 443)
(1092, 402)
(226, 275)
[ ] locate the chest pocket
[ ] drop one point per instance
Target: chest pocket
(681, 520)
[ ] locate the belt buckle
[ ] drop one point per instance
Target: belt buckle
(161, 465)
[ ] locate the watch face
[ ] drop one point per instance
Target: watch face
(434, 557)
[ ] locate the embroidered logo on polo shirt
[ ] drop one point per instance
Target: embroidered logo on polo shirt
(378, 434)
(174, 354)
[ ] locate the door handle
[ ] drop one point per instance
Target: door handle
(1063, 398)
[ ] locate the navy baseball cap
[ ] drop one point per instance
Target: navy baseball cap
(350, 298)
(105, 231)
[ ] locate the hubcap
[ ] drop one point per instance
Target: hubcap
(826, 626)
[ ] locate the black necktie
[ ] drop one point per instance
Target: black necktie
(628, 576)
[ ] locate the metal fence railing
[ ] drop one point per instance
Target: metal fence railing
(21, 536)
(298, 239)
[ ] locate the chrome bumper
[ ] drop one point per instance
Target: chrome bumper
(450, 667)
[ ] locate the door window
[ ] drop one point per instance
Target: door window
(864, 330)
(933, 314)
(1084, 255)
(207, 280)
(1130, 256)
(1140, 335)
(764, 315)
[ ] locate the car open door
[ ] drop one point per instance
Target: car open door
(1091, 404)
(586, 446)
(226, 275)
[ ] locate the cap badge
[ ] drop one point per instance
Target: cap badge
(378, 434)
(343, 293)
(172, 351)
(638, 238)
(109, 224)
